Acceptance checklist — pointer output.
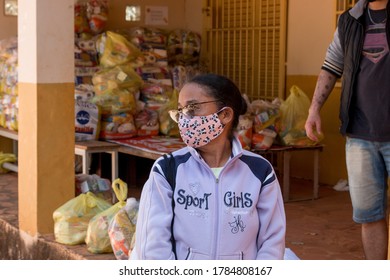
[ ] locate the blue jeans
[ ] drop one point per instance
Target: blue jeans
(368, 165)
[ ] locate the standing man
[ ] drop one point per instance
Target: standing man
(360, 53)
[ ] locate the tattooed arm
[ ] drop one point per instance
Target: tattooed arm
(324, 87)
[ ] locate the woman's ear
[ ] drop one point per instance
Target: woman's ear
(226, 116)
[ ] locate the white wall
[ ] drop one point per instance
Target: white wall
(311, 24)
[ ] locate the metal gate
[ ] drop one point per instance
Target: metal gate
(246, 41)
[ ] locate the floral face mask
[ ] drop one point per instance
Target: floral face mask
(198, 131)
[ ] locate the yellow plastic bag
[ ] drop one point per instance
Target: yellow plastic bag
(118, 50)
(9, 158)
(167, 126)
(294, 112)
(72, 218)
(97, 239)
(118, 77)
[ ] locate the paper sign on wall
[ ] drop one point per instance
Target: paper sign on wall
(156, 15)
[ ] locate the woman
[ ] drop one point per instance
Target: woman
(226, 201)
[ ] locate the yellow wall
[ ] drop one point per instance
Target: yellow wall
(43, 143)
(309, 34)
(311, 26)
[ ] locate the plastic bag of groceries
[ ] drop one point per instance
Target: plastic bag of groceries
(97, 238)
(152, 43)
(146, 122)
(101, 187)
(183, 47)
(294, 111)
(117, 126)
(155, 93)
(122, 229)
(116, 101)
(167, 126)
(97, 14)
(244, 131)
(264, 139)
(118, 77)
(265, 113)
(72, 218)
(118, 50)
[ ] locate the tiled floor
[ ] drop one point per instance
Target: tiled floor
(316, 229)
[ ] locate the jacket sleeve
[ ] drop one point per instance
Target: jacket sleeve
(153, 230)
(270, 209)
(334, 59)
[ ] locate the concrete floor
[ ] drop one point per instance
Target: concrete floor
(319, 229)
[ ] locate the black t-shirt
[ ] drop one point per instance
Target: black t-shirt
(370, 105)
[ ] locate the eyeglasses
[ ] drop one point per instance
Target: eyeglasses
(188, 111)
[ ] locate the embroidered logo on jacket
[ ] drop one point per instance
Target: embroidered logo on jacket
(237, 225)
(243, 200)
(189, 200)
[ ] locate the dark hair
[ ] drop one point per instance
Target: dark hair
(224, 90)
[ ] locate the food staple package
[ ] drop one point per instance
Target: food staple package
(117, 126)
(122, 229)
(118, 50)
(118, 77)
(152, 43)
(244, 131)
(183, 47)
(72, 218)
(87, 121)
(146, 122)
(97, 238)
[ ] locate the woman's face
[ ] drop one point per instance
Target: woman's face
(196, 100)
(198, 116)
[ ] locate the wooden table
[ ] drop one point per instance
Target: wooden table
(286, 152)
(86, 148)
(11, 134)
(140, 153)
(150, 152)
(82, 148)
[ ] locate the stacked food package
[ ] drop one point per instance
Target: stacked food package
(8, 83)
(280, 122)
(257, 129)
(125, 81)
(90, 19)
(157, 91)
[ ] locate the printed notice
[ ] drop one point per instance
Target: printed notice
(156, 15)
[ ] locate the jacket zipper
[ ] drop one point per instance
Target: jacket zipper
(215, 247)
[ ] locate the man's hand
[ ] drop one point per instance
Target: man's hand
(313, 126)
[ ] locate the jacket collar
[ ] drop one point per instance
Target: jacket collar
(358, 10)
(236, 150)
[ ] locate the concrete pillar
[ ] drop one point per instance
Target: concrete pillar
(46, 111)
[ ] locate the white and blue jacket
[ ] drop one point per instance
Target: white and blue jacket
(240, 215)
